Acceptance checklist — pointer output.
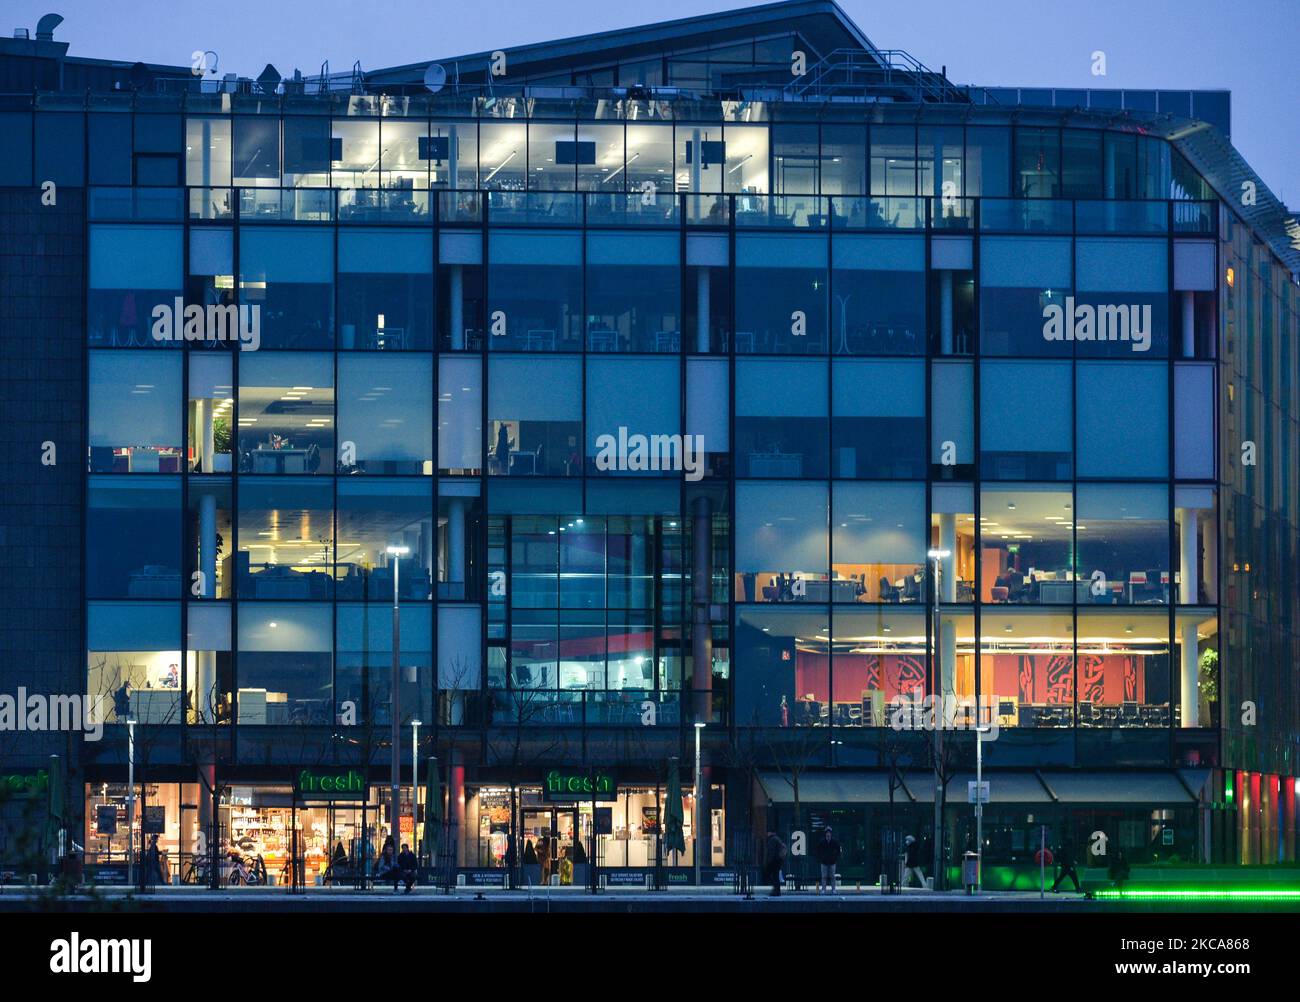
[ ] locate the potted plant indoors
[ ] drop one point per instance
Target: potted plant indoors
(1208, 684)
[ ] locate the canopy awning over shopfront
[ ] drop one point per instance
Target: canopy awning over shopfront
(871, 787)
(843, 787)
(1102, 788)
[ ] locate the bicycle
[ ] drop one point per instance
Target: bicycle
(251, 873)
(196, 872)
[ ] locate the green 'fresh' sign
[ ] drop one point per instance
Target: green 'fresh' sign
(24, 784)
(580, 786)
(330, 784)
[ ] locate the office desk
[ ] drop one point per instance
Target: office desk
(603, 340)
(1062, 592)
(776, 464)
(279, 460)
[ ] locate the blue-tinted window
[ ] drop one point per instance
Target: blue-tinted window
(780, 294)
(285, 664)
(781, 539)
(61, 148)
(135, 414)
(385, 413)
(878, 429)
(781, 418)
(631, 404)
(878, 305)
(133, 537)
(1020, 279)
(134, 269)
(1123, 419)
(15, 148)
(289, 273)
(633, 292)
(535, 291)
(1025, 420)
(534, 417)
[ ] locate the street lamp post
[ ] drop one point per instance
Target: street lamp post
(415, 788)
(980, 731)
(394, 791)
(130, 803)
(699, 729)
(940, 722)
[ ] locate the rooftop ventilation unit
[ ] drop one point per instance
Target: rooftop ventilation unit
(46, 25)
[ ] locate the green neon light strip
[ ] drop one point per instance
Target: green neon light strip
(1196, 894)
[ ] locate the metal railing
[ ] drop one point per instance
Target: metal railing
(622, 210)
(866, 73)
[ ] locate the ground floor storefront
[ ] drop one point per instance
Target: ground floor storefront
(545, 828)
(553, 826)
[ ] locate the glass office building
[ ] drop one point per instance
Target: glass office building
(697, 392)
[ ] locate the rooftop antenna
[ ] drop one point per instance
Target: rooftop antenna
(358, 78)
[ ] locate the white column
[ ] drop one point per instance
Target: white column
(456, 545)
(945, 311)
(1188, 563)
(702, 310)
(208, 543)
(205, 674)
(1189, 697)
(697, 156)
(456, 293)
(207, 447)
(1189, 325)
(948, 541)
(948, 666)
(1212, 561)
(206, 173)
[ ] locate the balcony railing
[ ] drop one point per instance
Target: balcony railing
(892, 213)
(581, 708)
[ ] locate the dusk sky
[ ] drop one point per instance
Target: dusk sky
(1248, 47)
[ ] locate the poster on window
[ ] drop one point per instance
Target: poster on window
(155, 820)
(650, 820)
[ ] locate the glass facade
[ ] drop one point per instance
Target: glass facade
(655, 412)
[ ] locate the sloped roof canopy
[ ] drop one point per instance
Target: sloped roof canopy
(820, 24)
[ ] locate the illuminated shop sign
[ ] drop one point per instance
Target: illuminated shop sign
(24, 784)
(330, 784)
(580, 786)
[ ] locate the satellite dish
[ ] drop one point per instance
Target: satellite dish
(269, 79)
(435, 77)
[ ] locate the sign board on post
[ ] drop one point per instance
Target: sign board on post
(155, 820)
(106, 819)
(983, 792)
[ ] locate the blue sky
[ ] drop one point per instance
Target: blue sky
(1248, 46)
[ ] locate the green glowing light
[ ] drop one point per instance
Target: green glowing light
(1199, 894)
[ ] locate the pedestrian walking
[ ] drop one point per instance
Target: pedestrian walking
(775, 862)
(912, 861)
(828, 856)
(1119, 869)
(1065, 861)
